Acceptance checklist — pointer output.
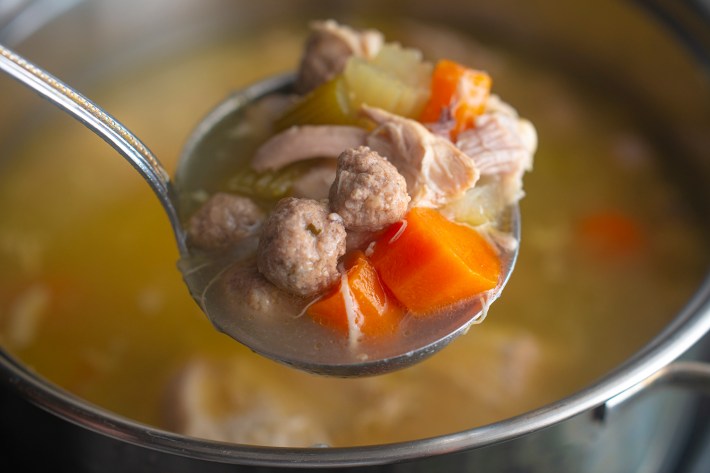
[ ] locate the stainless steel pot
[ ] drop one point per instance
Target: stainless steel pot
(627, 421)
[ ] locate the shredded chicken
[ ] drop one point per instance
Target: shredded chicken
(436, 171)
(315, 183)
(231, 400)
(304, 142)
(327, 50)
(501, 143)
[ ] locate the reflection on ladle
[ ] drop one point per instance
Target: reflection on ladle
(306, 346)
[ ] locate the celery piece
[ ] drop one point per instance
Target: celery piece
(328, 104)
(267, 185)
(479, 205)
(396, 80)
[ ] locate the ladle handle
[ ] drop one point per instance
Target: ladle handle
(101, 123)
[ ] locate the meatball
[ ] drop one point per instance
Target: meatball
(250, 292)
(368, 192)
(300, 245)
(328, 48)
(223, 220)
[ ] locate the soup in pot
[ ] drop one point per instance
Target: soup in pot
(91, 298)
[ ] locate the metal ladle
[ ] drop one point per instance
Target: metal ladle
(303, 346)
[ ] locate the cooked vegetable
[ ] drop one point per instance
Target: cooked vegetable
(611, 234)
(429, 262)
(370, 308)
(268, 185)
(479, 205)
(458, 94)
(396, 80)
(328, 104)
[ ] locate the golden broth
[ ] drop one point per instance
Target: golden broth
(91, 299)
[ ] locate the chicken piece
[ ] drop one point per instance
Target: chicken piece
(238, 401)
(327, 50)
(368, 192)
(502, 144)
(222, 221)
(435, 170)
(498, 144)
(300, 245)
(315, 183)
(305, 142)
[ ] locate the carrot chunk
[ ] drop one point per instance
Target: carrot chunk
(373, 310)
(458, 94)
(429, 262)
(611, 234)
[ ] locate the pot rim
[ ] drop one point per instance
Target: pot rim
(689, 326)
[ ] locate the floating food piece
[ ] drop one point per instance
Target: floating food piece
(224, 220)
(368, 192)
(305, 142)
(301, 242)
(458, 96)
(429, 262)
(327, 50)
(436, 171)
(360, 305)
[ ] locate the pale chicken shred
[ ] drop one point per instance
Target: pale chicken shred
(436, 171)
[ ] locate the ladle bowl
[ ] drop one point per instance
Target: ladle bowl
(305, 346)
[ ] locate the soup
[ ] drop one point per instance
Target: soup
(361, 219)
(91, 299)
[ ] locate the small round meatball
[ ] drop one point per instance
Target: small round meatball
(222, 221)
(250, 292)
(300, 245)
(368, 191)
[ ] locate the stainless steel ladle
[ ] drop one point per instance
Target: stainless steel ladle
(418, 339)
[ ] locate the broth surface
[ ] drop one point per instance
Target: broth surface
(91, 299)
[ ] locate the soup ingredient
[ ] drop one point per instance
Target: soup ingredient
(327, 50)
(436, 171)
(299, 247)
(499, 143)
(250, 292)
(360, 304)
(368, 193)
(458, 96)
(305, 142)
(224, 220)
(611, 234)
(327, 104)
(315, 183)
(480, 205)
(396, 80)
(267, 185)
(236, 401)
(429, 262)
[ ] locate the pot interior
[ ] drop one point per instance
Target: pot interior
(614, 234)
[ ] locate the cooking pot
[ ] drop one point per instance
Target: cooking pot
(627, 421)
